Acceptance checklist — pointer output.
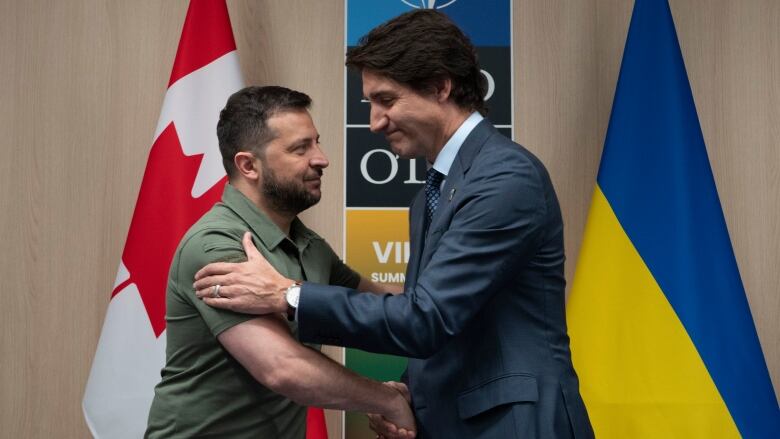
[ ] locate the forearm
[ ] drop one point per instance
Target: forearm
(311, 378)
(409, 324)
(302, 374)
(370, 286)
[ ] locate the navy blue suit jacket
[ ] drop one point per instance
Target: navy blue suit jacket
(482, 316)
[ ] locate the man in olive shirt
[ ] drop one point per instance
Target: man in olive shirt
(237, 375)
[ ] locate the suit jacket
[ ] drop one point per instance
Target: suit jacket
(482, 316)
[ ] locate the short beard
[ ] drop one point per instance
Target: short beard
(286, 196)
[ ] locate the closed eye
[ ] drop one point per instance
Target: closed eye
(383, 99)
(299, 148)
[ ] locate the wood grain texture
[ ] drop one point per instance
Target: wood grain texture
(81, 89)
(567, 57)
(86, 82)
(732, 54)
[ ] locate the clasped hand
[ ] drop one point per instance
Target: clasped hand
(384, 428)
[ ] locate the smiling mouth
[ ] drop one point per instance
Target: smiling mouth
(316, 177)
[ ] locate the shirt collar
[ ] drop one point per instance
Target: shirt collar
(447, 155)
(266, 230)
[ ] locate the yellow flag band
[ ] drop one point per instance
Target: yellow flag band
(640, 374)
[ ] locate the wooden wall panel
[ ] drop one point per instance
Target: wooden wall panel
(732, 54)
(567, 57)
(82, 82)
(77, 123)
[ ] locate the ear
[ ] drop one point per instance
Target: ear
(443, 89)
(246, 165)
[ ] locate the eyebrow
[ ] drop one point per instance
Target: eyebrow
(303, 140)
(379, 94)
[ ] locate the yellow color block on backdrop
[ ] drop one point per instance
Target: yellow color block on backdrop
(640, 374)
(377, 243)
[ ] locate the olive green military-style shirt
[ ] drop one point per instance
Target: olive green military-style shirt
(204, 391)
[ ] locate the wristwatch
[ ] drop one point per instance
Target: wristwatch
(292, 295)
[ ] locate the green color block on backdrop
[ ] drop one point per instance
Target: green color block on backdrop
(379, 367)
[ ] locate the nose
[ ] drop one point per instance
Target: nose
(378, 120)
(319, 160)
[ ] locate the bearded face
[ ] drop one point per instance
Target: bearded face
(292, 193)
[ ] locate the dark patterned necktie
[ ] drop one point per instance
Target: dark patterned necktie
(432, 193)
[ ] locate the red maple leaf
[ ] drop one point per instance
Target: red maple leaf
(165, 210)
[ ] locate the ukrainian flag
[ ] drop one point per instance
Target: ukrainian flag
(661, 332)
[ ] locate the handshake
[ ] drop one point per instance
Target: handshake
(397, 423)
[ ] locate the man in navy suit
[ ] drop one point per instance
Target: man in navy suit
(482, 317)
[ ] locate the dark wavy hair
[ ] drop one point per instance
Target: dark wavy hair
(420, 49)
(243, 123)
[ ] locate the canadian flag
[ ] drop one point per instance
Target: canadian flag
(184, 177)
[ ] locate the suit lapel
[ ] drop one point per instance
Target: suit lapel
(421, 248)
(460, 166)
(472, 145)
(416, 222)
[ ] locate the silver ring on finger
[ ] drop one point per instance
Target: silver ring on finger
(215, 291)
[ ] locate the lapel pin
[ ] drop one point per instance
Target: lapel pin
(452, 193)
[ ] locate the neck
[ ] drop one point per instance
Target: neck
(282, 219)
(453, 118)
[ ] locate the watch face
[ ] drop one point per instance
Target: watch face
(293, 294)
